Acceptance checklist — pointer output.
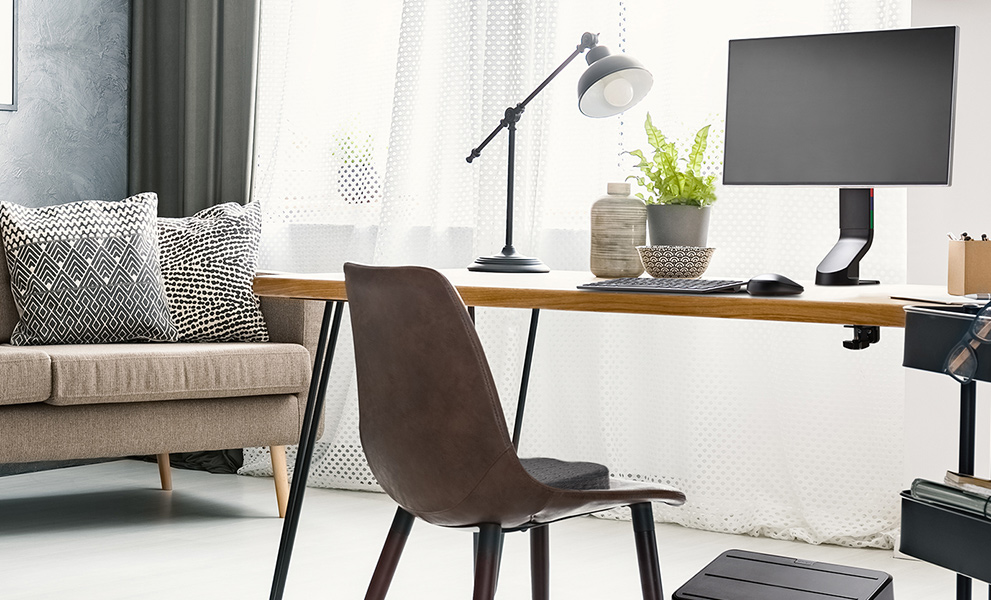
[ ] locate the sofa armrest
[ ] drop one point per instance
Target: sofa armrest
(293, 321)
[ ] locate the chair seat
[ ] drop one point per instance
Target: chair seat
(567, 475)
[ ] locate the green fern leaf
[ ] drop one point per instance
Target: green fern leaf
(654, 136)
(698, 149)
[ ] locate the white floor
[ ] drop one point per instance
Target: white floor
(106, 531)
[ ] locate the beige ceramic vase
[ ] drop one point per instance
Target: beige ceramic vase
(619, 225)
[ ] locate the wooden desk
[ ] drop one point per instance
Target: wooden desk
(868, 305)
(843, 305)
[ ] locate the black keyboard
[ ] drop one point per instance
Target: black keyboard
(666, 285)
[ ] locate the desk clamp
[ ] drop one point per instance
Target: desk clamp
(863, 336)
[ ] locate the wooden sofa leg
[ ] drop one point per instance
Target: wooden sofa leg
(165, 471)
(281, 475)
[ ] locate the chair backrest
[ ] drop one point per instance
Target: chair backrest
(431, 424)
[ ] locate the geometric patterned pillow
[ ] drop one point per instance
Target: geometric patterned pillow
(208, 264)
(86, 272)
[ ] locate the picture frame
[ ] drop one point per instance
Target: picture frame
(8, 54)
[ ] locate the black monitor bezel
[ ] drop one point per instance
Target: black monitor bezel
(947, 181)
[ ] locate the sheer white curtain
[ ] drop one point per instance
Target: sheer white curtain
(365, 115)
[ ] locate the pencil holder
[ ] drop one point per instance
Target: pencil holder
(969, 268)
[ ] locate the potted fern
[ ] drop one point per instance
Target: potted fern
(678, 195)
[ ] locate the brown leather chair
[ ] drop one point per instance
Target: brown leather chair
(436, 439)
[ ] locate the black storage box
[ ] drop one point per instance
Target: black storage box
(946, 537)
(743, 575)
(932, 331)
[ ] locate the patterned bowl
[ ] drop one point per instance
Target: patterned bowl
(675, 261)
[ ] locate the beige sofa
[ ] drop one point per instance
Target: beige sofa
(110, 400)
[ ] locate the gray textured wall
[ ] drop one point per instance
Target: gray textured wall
(67, 140)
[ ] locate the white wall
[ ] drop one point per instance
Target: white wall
(931, 400)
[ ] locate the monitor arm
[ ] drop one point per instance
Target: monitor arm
(842, 265)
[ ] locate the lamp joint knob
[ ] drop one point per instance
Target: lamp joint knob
(589, 40)
(513, 115)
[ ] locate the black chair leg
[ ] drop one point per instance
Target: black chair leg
(650, 568)
(487, 561)
(389, 559)
(474, 550)
(540, 564)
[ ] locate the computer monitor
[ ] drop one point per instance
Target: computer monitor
(851, 110)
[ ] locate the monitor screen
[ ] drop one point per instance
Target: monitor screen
(858, 109)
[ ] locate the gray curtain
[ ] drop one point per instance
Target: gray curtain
(192, 101)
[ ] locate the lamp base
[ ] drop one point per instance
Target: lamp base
(509, 261)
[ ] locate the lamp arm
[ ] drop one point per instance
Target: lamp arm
(588, 41)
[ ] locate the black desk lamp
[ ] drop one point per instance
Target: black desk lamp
(611, 84)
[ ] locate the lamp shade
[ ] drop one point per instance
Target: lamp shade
(611, 84)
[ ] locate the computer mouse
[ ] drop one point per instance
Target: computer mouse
(772, 284)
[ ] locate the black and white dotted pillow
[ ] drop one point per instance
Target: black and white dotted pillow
(86, 272)
(208, 264)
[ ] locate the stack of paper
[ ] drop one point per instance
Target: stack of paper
(968, 483)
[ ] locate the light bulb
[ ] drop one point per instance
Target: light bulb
(618, 92)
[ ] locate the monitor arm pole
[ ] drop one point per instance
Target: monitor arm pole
(842, 265)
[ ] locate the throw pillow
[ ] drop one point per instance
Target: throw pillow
(86, 272)
(208, 263)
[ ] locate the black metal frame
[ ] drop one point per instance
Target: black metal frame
(965, 459)
(525, 380)
(929, 335)
(323, 361)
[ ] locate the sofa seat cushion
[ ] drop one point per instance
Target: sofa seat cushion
(105, 373)
(27, 375)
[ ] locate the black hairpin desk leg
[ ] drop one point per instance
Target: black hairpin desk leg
(525, 379)
(518, 426)
(329, 328)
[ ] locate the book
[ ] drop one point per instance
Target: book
(968, 483)
(949, 496)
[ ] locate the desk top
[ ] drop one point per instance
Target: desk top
(557, 290)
